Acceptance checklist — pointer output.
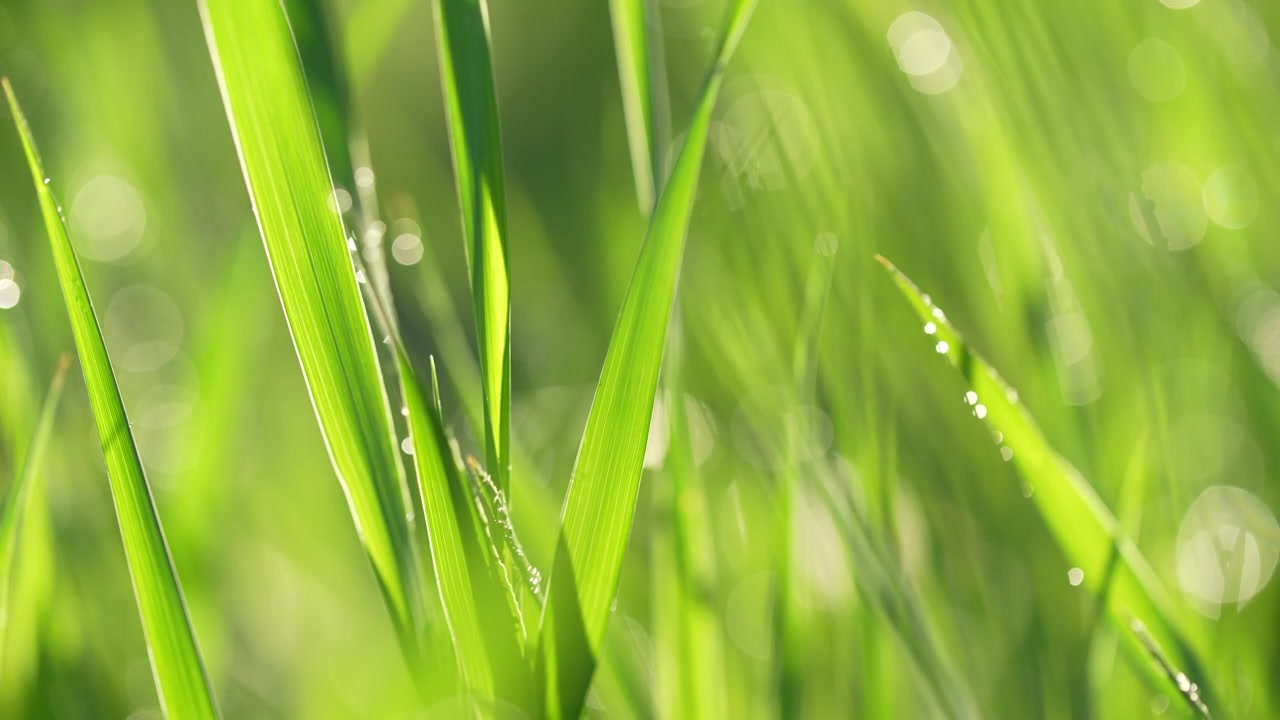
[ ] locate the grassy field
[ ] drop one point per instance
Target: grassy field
(639, 358)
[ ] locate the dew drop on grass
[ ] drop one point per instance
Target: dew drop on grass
(980, 411)
(406, 445)
(361, 277)
(1075, 576)
(930, 328)
(1006, 453)
(942, 347)
(971, 397)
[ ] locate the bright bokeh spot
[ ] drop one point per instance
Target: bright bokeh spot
(143, 328)
(107, 219)
(925, 52)
(1171, 195)
(1231, 197)
(10, 293)
(1156, 70)
(1228, 545)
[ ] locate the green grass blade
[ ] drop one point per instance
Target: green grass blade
(466, 68)
(603, 489)
(280, 151)
(1083, 526)
(443, 502)
(179, 672)
(640, 75)
(15, 503)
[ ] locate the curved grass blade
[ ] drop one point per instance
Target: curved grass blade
(1079, 520)
(15, 504)
(279, 146)
(181, 682)
(605, 483)
(641, 76)
(466, 69)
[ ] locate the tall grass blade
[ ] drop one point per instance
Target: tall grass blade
(15, 503)
(279, 146)
(180, 678)
(444, 509)
(466, 68)
(640, 75)
(603, 488)
(1084, 528)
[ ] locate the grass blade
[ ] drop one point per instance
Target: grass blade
(466, 68)
(11, 512)
(181, 682)
(640, 74)
(605, 483)
(1079, 520)
(280, 151)
(444, 510)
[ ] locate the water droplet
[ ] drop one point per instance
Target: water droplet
(405, 411)
(406, 446)
(1075, 576)
(46, 181)
(930, 328)
(998, 437)
(942, 347)
(351, 244)
(1006, 452)
(971, 397)
(1012, 395)
(980, 411)
(1183, 683)
(937, 312)
(361, 277)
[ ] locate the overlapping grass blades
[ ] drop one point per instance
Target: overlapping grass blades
(15, 501)
(641, 77)
(1084, 528)
(603, 488)
(280, 151)
(181, 682)
(466, 69)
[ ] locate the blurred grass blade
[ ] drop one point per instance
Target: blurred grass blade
(466, 68)
(181, 682)
(641, 77)
(1079, 520)
(11, 512)
(880, 580)
(280, 151)
(601, 499)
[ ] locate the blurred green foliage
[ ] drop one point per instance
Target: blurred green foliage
(1084, 187)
